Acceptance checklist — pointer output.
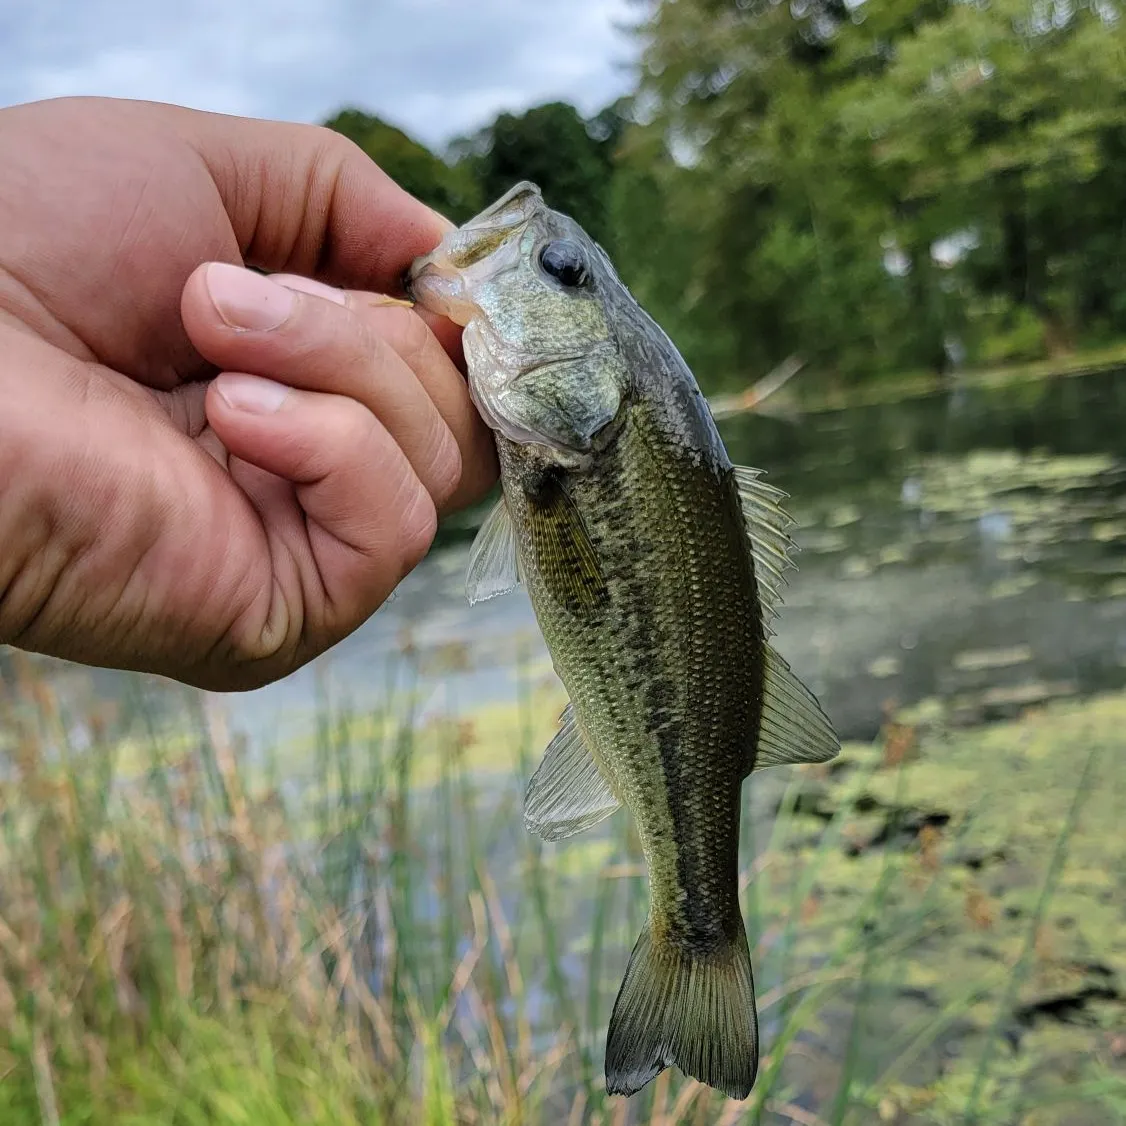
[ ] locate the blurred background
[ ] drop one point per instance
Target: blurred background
(889, 237)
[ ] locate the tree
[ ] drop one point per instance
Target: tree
(450, 190)
(861, 182)
(824, 139)
(570, 159)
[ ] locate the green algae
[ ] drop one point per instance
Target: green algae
(970, 825)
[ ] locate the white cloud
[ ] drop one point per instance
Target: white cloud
(436, 67)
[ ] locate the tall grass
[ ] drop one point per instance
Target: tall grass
(364, 933)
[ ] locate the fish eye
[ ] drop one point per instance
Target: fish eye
(565, 261)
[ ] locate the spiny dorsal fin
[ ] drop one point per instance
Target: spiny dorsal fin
(567, 793)
(768, 529)
(492, 558)
(794, 728)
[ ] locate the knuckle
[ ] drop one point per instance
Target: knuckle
(339, 437)
(331, 153)
(29, 573)
(344, 348)
(355, 427)
(446, 464)
(418, 524)
(408, 334)
(333, 145)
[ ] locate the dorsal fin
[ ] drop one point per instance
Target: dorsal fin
(768, 530)
(793, 728)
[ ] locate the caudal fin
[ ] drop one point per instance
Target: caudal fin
(696, 1013)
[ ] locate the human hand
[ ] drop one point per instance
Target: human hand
(163, 507)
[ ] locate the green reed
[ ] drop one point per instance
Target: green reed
(358, 929)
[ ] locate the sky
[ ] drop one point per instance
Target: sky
(436, 68)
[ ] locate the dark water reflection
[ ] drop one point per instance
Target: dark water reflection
(967, 546)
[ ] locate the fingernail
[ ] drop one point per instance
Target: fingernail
(308, 285)
(251, 393)
(247, 300)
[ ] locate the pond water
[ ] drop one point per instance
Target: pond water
(967, 546)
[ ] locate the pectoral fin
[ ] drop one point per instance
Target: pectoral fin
(568, 792)
(564, 555)
(793, 729)
(492, 558)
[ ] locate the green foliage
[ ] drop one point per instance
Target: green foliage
(553, 146)
(181, 943)
(448, 189)
(873, 186)
(263, 1067)
(817, 142)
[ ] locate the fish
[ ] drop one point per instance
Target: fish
(655, 568)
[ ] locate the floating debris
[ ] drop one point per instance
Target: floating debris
(1107, 531)
(977, 659)
(842, 516)
(883, 667)
(893, 553)
(1022, 695)
(856, 567)
(1010, 587)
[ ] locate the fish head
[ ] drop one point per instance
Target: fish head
(533, 292)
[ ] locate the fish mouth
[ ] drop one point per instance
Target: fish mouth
(517, 206)
(447, 282)
(442, 281)
(429, 284)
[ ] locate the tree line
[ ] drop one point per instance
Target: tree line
(878, 186)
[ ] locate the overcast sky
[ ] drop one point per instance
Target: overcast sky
(437, 68)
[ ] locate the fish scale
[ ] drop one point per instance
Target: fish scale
(653, 566)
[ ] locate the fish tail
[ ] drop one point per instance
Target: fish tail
(695, 1012)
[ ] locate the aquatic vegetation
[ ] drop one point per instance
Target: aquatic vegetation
(938, 922)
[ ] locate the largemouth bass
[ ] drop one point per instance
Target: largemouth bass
(654, 568)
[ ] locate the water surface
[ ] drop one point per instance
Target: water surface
(968, 545)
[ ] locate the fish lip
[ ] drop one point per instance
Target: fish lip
(497, 207)
(453, 284)
(406, 282)
(416, 269)
(499, 217)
